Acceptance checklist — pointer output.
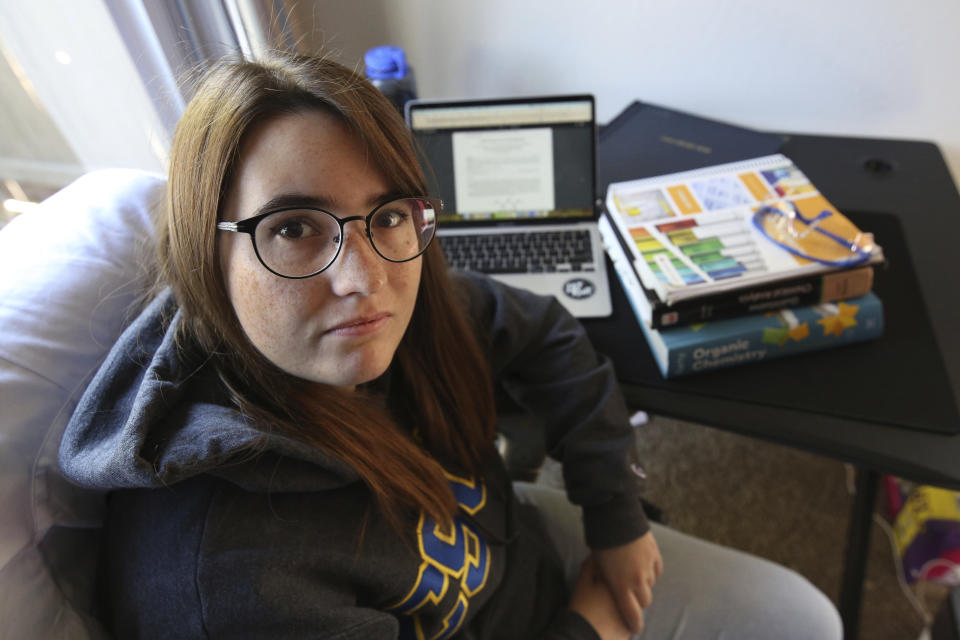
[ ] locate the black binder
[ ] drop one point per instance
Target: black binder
(647, 140)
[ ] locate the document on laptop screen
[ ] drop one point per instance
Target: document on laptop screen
(509, 170)
(523, 161)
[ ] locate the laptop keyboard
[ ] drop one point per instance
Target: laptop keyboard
(538, 252)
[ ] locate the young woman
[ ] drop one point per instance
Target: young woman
(298, 432)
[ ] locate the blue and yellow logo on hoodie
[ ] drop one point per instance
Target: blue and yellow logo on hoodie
(457, 558)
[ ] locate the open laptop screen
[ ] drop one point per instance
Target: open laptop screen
(521, 160)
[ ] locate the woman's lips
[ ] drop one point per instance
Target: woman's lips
(358, 327)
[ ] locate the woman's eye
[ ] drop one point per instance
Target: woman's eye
(389, 219)
(293, 229)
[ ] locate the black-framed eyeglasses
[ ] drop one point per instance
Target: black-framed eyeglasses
(300, 242)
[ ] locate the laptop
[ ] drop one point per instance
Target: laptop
(518, 181)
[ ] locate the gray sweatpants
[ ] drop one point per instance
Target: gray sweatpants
(706, 591)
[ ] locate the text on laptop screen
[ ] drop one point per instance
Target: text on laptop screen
(508, 161)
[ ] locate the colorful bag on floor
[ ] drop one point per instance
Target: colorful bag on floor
(927, 534)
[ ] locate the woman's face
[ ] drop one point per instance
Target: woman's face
(342, 326)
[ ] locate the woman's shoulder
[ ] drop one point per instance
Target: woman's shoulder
(151, 556)
(206, 554)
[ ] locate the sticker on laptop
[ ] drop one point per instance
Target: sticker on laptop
(578, 288)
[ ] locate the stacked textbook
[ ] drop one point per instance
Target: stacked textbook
(740, 262)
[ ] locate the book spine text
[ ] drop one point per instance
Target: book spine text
(795, 292)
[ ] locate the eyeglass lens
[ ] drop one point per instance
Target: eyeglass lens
(301, 242)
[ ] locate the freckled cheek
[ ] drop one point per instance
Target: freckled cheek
(251, 302)
(265, 305)
(406, 284)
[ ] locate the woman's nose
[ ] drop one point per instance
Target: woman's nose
(358, 269)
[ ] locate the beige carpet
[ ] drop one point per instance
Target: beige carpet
(776, 502)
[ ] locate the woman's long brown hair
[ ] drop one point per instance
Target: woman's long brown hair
(440, 369)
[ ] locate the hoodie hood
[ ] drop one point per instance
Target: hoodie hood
(146, 421)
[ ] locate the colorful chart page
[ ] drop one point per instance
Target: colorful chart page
(693, 232)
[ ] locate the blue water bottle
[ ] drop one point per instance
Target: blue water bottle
(387, 70)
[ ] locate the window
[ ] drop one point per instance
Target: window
(94, 84)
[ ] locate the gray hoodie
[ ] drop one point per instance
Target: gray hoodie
(208, 537)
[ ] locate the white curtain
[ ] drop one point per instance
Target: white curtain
(172, 40)
(102, 83)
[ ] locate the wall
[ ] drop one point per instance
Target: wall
(884, 68)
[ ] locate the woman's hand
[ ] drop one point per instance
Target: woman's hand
(593, 600)
(630, 572)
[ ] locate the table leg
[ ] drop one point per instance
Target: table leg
(858, 546)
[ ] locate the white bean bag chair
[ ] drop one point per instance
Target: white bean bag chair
(72, 275)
